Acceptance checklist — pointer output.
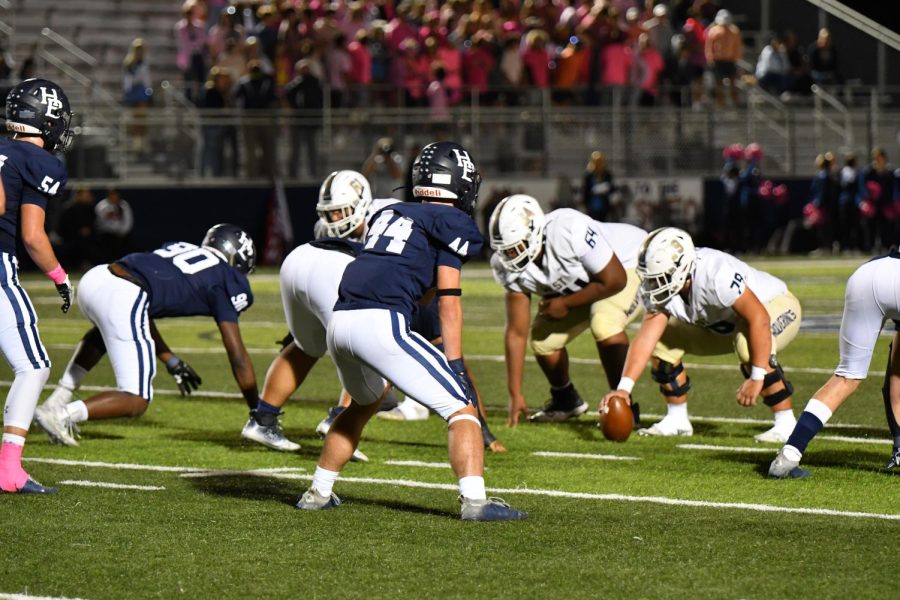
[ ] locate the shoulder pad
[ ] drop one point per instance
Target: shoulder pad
(43, 172)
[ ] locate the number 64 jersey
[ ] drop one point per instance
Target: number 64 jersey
(185, 280)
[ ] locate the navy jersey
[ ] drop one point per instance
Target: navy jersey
(405, 244)
(30, 175)
(186, 280)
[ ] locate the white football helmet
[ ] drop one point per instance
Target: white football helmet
(344, 198)
(517, 231)
(665, 261)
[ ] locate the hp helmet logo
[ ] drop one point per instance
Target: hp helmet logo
(52, 102)
(463, 160)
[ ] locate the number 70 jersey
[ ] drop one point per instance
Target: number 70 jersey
(404, 245)
(186, 280)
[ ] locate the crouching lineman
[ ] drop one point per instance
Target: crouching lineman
(870, 299)
(410, 249)
(309, 278)
(705, 302)
(38, 113)
(583, 270)
(122, 300)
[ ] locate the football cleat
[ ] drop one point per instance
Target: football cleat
(57, 423)
(270, 435)
(488, 509)
(313, 500)
(894, 463)
(784, 468)
(775, 435)
(60, 397)
(325, 425)
(408, 410)
(669, 428)
(563, 404)
(33, 487)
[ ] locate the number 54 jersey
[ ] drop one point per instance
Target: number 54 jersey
(405, 244)
(186, 280)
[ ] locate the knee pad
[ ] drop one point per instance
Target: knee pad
(666, 374)
(771, 379)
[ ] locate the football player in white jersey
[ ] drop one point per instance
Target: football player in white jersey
(705, 302)
(871, 299)
(583, 271)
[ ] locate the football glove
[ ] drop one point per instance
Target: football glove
(459, 369)
(66, 291)
(185, 377)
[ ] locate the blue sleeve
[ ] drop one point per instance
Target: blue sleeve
(45, 174)
(228, 301)
(31, 196)
(456, 235)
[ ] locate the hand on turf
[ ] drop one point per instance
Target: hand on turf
(615, 393)
(66, 291)
(553, 309)
(517, 409)
(496, 446)
(749, 392)
(185, 377)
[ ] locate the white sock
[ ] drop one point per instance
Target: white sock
(784, 419)
(72, 377)
(472, 487)
(677, 411)
(15, 440)
(792, 453)
(819, 410)
(323, 480)
(77, 411)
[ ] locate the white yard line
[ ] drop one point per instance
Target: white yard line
(855, 440)
(199, 472)
(113, 486)
(588, 456)
(106, 465)
(30, 597)
(747, 449)
(418, 463)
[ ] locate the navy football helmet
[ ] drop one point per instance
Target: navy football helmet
(233, 245)
(37, 107)
(445, 171)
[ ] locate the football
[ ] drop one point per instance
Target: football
(618, 421)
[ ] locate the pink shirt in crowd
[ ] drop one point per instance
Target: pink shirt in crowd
(538, 64)
(615, 59)
(360, 63)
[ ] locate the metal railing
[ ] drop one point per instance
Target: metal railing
(843, 126)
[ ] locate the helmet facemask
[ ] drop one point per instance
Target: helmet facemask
(344, 199)
(517, 231)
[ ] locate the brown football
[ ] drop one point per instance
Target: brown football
(617, 423)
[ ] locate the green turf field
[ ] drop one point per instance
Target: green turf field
(211, 516)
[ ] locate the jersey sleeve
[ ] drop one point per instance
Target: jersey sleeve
(729, 280)
(44, 177)
(588, 243)
(457, 237)
(231, 298)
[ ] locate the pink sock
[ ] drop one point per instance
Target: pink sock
(12, 475)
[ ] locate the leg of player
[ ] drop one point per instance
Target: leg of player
(17, 415)
(565, 402)
(674, 385)
(343, 402)
(891, 394)
(776, 394)
(286, 373)
(612, 352)
(88, 352)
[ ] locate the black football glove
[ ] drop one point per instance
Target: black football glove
(185, 377)
(66, 291)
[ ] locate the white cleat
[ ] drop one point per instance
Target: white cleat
(408, 410)
(775, 435)
(270, 436)
(668, 428)
(55, 421)
(785, 468)
(60, 397)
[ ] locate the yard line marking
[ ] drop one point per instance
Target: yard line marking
(114, 486)
(749, 449)
(580, 455)
(106, 465)
(30, 597)
(418, 463)
(855, 440)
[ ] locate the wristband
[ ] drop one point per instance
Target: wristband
(57, 274)
(757, 373)
(172, 361)
(626, 384)
(449, 292)
(457, 365)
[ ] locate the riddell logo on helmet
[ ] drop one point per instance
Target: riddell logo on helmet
(430, 192)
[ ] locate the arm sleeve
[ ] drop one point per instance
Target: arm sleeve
(456, 235)
(730, 281)
(591, 247)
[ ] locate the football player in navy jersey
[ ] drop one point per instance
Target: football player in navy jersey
(124, 298)
(38, 113)
(410, 250)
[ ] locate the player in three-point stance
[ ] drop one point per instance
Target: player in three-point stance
(871, 299)
(705, 302)
(583, 270)
(38, 113)
(123, 299)
(410, 249)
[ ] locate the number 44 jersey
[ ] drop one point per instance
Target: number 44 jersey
(185, 280)
(405, 244)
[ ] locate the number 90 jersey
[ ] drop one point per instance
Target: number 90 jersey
(405, 244)
(186, 280)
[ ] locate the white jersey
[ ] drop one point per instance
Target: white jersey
(376, 205)
(717, 281)
(575, 247)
